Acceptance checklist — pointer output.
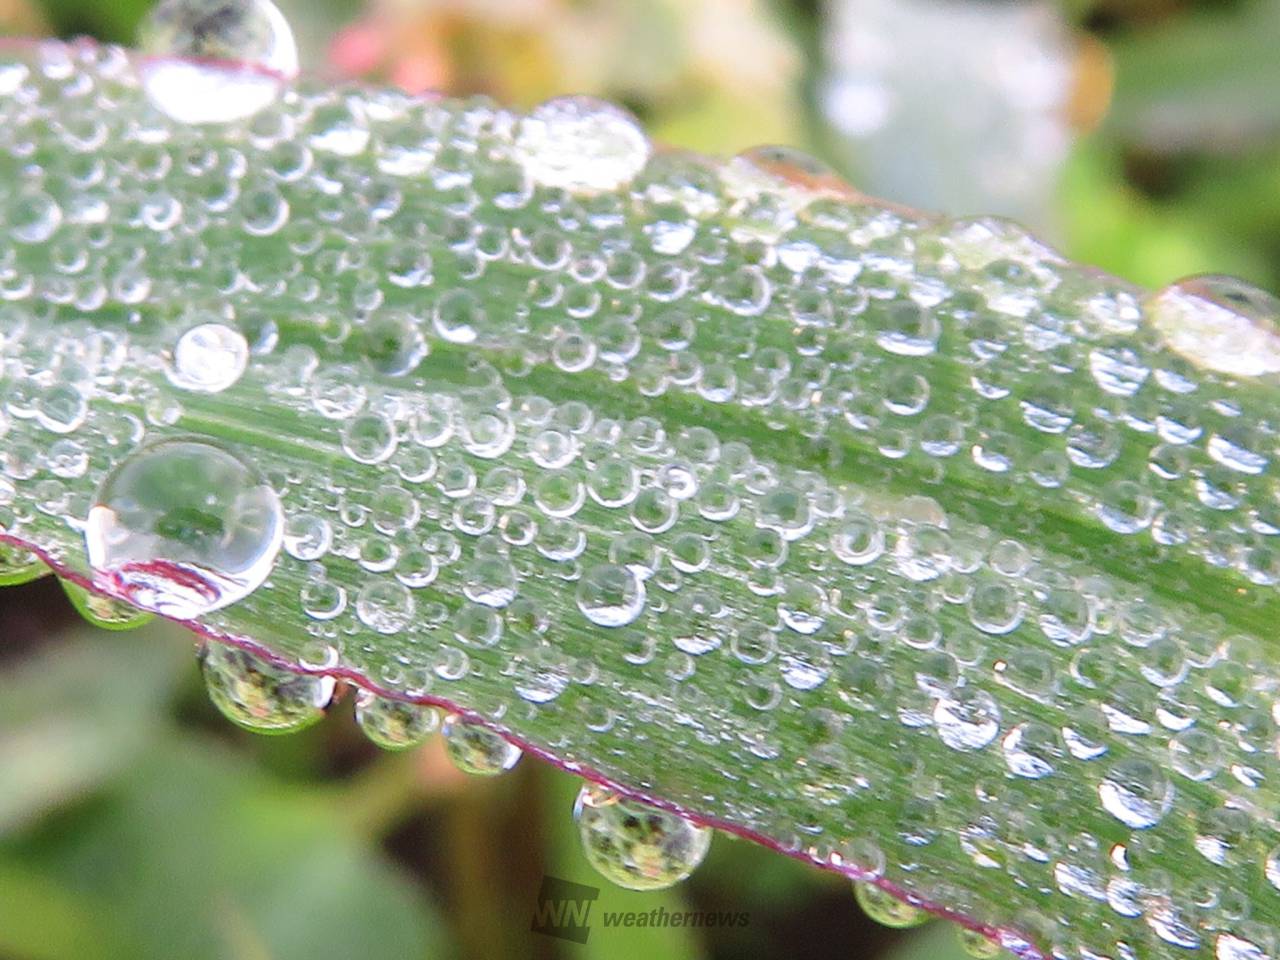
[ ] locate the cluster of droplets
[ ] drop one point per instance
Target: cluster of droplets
(668, 465)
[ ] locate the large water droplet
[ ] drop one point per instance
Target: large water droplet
(477, 750)
(259, 696)
(216, 60)
(394, 724)
(581, 144)
(182, 527)
(1220, 323)
(636, 845)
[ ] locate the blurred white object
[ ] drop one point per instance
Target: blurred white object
(959, 106)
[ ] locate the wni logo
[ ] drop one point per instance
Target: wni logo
(563, 909)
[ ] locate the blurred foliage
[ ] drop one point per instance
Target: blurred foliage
(144, 840)
(134, 823)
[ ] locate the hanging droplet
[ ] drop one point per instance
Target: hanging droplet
(477, 750)
(105, 612)
(977, 945)
(581, 145)
(886, 909)
(182, 527)
(394, 724)
(215, 61)
(635, 845)
(18, 566)
(259, 696)
(1220, 323)
(208, 358)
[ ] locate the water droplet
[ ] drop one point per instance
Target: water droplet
(1271, 867)
(385, 606)
(635, 845)
(1228, 946)
(1220, 323)
(18, 566)
(183, 527)
(886, 909)
(477, 750)
(208, 358)
(1137, 793)
(105, 612)
(259, 696)
(581, 145)
(967, 720)
(977, 945)
(611, 595)
(216, 61)
(394, 724)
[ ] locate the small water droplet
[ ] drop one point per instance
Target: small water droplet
(611, 595)
(967, 719)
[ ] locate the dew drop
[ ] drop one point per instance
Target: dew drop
(1136, 793)
(183, 527)
(208, 358)
(611, 595)
(967, 719)
(1220, 323)
(581, 145)
(18, 566)
(104, 612)
(635, 845)
(1271, 867)
(977, 945)
(886, 909)
(385, 606)
(216, 61)
(477, 750)
(394, 724)
(1228, 946)
(259, 696)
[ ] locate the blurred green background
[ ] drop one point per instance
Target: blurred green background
(1139, 135)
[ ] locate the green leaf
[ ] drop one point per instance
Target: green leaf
(903, 546)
